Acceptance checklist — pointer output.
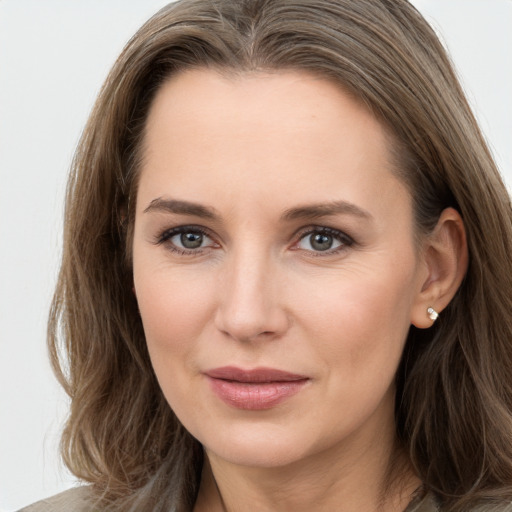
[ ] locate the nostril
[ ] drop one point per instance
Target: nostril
(246, 336)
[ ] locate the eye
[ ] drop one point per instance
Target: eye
(324, 239)
(186, 239)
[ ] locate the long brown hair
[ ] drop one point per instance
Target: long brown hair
(454, 389)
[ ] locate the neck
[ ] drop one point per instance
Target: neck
(373, 477)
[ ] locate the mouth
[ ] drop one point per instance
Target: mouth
(254, 389)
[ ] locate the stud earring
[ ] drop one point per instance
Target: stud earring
(432, 314)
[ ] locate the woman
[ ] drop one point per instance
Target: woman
(285, 282)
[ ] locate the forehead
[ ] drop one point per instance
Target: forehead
(257, 104)
(245, 135)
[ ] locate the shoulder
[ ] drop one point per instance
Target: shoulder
(429, 503)
(493, 507)
(77, 499)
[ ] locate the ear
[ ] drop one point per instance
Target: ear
(445, 255)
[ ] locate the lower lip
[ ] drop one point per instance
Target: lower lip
(255, 396)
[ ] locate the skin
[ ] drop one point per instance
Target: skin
(257, 292)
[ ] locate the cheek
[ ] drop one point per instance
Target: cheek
(174, 309)
(360, 319)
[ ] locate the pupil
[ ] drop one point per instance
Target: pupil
(321, 241)
(191, 240)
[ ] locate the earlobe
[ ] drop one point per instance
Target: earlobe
(446, 260)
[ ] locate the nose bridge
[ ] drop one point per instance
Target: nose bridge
(249, 304)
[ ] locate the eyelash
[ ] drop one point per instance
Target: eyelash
(345, 240)
(165, 237)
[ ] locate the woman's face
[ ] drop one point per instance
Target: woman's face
(274, 265)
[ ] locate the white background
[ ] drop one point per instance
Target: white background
(54, 55)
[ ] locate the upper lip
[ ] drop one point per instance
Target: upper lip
(253, 375)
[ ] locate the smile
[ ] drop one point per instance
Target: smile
(256, 389)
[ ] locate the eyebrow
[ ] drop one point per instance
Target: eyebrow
(181, 207)
(313, 211)
(309, 211)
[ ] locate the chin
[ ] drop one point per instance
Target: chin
(263, 454)
(259, 445)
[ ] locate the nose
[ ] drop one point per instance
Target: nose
(250, 306)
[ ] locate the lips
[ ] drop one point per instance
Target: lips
(254, 389)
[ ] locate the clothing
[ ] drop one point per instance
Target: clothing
(429, 504)
(72, 500)
(76, 500)
(425, 504)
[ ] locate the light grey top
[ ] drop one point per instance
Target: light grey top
(72, 500)
(77, 500)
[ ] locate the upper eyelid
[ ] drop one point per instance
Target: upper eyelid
(166, 234)
(323, 229)
(184, 229)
